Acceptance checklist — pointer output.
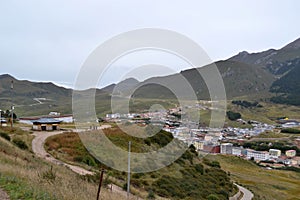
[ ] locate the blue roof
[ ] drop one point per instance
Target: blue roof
(46, 121)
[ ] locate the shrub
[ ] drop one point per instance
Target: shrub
(20, 143)
(48, 175)
(124, 187)
(199, 168)
(233, 115)
(151, 195)
(212, 197)
(290, 130)
(5, 136)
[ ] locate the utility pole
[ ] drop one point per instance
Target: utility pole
(100, 184)
(128, 177)
(1, 117)
(12, 105)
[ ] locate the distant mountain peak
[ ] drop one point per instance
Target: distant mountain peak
(7, 76)
(293, 45)
(129, 80)
(244, 53)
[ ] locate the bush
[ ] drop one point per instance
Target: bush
(212, 197)
(48, 175)
(199, 168)
(151, 195)
(124, 187)
(5, 136)
(290, 130)
(20, 143)
(233, 115)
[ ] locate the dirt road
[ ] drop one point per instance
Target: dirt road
(38, 148)
(248, 195)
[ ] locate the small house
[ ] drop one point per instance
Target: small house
(46, 124)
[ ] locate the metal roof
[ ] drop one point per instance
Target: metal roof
(46, 121)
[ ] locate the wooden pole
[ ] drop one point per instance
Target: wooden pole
(12, 105)
(128, 178)
(100, 184)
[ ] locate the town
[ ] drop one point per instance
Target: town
(229, 140)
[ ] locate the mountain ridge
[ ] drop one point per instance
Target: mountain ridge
(244, 74)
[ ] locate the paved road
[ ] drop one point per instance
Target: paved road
(248, 195)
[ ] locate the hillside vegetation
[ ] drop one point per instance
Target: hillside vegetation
(24, 176)
(282, 184)
(188, 178)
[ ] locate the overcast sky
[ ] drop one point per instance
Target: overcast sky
(49, 40)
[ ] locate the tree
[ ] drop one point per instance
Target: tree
(233, 115)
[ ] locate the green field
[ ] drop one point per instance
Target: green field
(187, 178)
(24, 176)
(264, 183)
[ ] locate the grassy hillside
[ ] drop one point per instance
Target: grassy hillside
(278, 62)
(24, 176)
(188, 178)
(266, 184)
(239, 79)
(287, 88)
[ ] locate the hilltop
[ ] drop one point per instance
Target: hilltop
(271, 75)
(284, 64)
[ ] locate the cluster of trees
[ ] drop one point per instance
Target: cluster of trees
(266, 146)
(290, 130)
(7, 114)
(247, 104)
(233, 115)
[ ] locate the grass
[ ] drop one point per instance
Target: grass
(25, 176)
(18, 134)
(177, 181)
(264, 183)
(268, 113)
(271, 134)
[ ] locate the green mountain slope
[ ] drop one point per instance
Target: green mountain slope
(287, 88)
(239, 79)
(277, 62)
(284, 64)
(33, 98)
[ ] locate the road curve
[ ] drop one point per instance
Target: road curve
(248, 195)
(38, 148)
(38, 144)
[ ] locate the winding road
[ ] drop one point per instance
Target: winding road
(38, 148)
(38, 144)
(248, 195)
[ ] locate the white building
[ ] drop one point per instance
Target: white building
(257, 155)
(274, 153)
(199, 144)
(290, 153)
(226, 148)
(237, 151)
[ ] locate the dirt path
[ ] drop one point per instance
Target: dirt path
(38, 148)
(248, 195)
(3, 195)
